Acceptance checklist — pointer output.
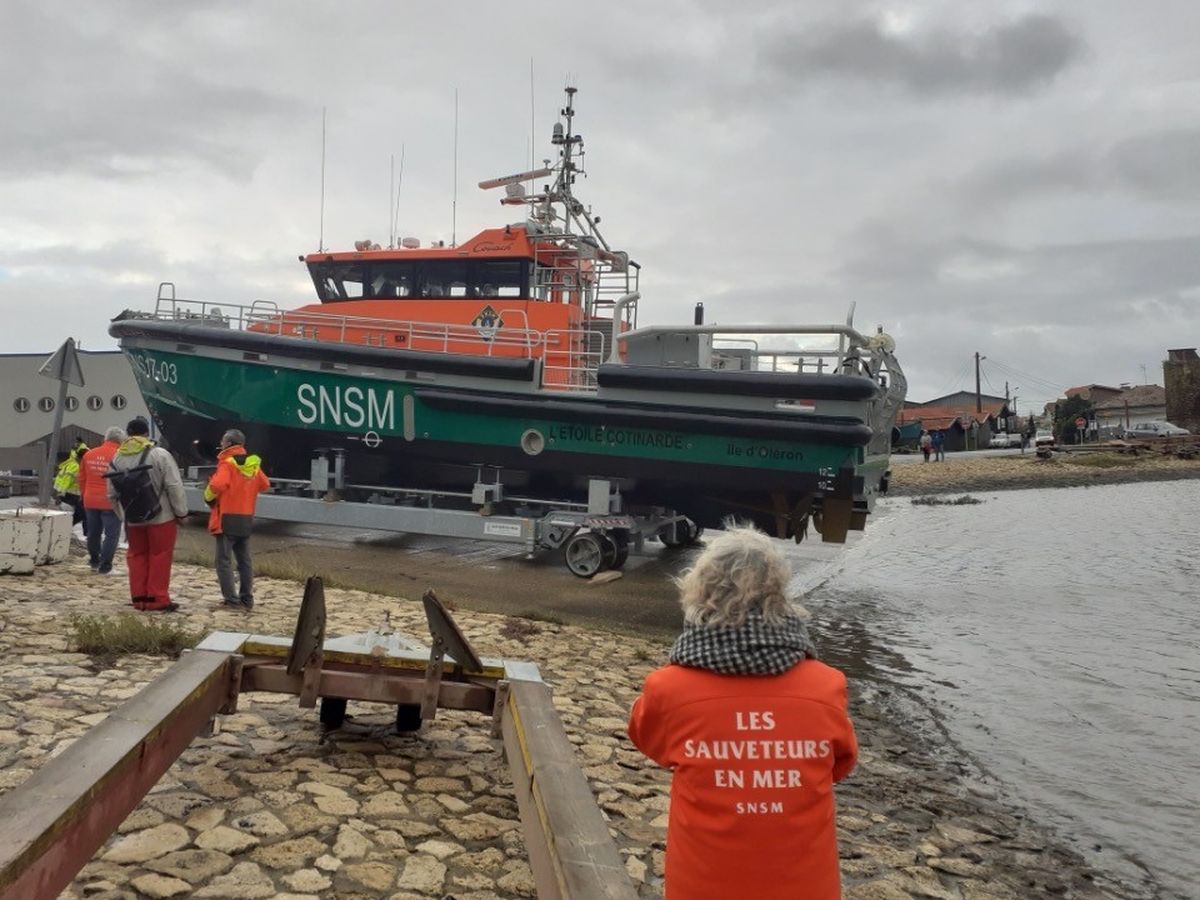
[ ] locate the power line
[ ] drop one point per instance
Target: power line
(956, 381)
(1034, 380)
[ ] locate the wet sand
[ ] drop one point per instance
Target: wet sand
(494, 578)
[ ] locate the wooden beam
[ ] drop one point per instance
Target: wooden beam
(571, 853)
(51, 825)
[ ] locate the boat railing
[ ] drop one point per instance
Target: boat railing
(265, 317)
(572, 358)
(568, 263)
(220, 315)
(818, 362)
(851, 347)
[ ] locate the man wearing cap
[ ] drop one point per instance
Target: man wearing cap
(152, 541)
(231, 494)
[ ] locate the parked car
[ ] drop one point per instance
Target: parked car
(1150, 430)
(1043, 439)
(1003, 439)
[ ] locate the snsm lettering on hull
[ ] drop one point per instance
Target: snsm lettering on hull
(617, 437)
(348, 407)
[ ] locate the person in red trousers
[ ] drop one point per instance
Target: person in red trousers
(152, 519)
(755, 730)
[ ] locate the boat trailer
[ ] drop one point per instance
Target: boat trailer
(52, 824)
(593, 536)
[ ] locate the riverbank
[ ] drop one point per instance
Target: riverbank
(265, 809)
(964, 472)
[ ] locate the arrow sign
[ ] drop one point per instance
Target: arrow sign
(63, 365)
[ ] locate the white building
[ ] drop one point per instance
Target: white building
(1141, 403)
(27, 400)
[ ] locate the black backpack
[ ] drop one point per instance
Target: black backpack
(135, 490)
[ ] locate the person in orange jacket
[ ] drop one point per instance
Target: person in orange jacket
(755, 729)
(231, 494)
(103, 524)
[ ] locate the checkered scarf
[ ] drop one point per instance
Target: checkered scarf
(752, 648)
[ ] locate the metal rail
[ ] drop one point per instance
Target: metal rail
(51, 825)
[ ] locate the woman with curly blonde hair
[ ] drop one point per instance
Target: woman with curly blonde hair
(755, 729)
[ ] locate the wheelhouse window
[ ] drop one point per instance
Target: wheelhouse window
(436, 279)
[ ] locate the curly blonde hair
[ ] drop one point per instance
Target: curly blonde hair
(739, 570)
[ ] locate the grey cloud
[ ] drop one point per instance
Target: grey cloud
(1166, 164)
(1069, 313)
(903, 279)
(99, 101)
(1012, 58)
(1161, 166)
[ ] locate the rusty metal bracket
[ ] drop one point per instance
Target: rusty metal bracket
(445, 631)
(433, 680)
(307, 653)
(236, 663)
(309, 636)
(311, 685)
(499, 707)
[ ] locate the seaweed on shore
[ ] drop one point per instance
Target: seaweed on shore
(934, 500)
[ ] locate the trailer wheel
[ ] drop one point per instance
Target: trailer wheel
(686, 534)
(333, 712)
(408, 717)
(584, 554)
(620, 541)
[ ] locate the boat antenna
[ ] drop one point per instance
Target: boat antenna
(321, 237)
(532, 128)
(396, 206)
(391, 211)
(454, 203)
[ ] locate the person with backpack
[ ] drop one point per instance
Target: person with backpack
(145, 488)
(103, 528)
(231, 494)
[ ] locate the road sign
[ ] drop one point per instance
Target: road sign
(1081, 422)
(63, 365)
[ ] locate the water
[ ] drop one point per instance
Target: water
(1056, 633)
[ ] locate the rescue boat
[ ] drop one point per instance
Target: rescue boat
(520, 351)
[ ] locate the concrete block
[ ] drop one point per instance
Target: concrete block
(31, 537)
(54, 536)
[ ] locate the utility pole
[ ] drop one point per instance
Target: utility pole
(978, 398)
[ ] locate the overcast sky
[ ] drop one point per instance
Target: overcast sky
(1014, 178)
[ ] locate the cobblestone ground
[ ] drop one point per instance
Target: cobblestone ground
(267, 809)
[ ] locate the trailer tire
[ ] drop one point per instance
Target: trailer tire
(621, 542)
(686, 534)
(585, 553)
(408, 717)
(333, 712)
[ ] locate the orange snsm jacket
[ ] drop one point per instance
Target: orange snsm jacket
(754, 760)
(233, 491)
(93, 486)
